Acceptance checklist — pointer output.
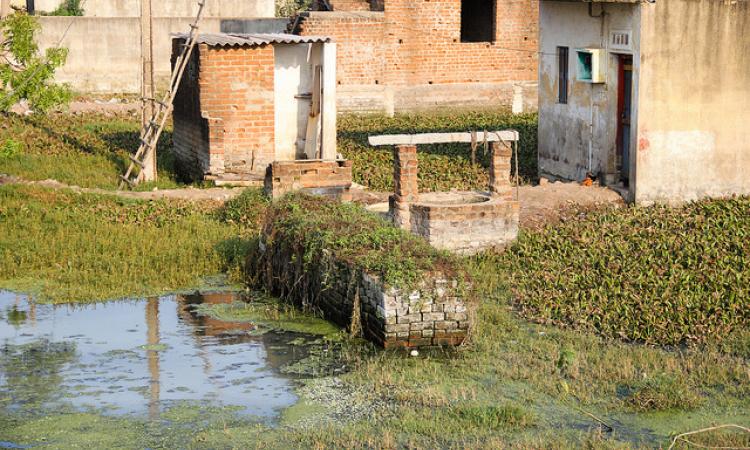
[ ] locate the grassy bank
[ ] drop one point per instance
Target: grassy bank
(441, 166)
(65, 246)
(365, 241)
(88, 150)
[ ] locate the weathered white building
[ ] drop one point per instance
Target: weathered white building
(654, 97)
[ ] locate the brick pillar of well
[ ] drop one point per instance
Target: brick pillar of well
(406, 186)
(500, 185)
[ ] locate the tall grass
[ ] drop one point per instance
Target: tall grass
(73, 247)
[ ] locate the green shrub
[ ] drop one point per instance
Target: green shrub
(246, 209)
(288, 8)
(30, 76)
(10, 148)
(658, 275)
(68, 8)
(441, 166)
(356, 236)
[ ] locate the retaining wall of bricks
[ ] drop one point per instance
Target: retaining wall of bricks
(434, 313)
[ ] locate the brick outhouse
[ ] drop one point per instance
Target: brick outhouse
(248, 100)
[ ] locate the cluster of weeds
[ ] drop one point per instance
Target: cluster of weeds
(657, 275)
(660, 393)
(10, 148)
(246, 210)
(363, 239)
(88, 150)
(493, 417)
(441, 166)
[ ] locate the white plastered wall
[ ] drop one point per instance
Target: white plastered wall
(580, 136)
(293, 85)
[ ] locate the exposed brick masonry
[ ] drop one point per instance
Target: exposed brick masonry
(500, 185)
(418, 44)
(406, 184)
(331, 178)
(225, 109)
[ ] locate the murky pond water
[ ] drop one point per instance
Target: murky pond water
(140, 357)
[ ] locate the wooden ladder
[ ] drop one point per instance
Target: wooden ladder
(153, 128)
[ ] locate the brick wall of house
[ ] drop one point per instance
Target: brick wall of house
(359, 41)
(350, 5)
(190, 135)
(424, 62)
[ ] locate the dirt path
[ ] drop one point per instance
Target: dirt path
(544, 204)
(189, 193)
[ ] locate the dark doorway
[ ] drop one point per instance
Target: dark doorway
(624, 113)
(477, 20)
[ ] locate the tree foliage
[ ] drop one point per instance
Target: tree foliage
(289, 8)
(25, 73)
(68, 8)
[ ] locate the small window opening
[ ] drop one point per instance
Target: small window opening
(562, 75)
(477, 20)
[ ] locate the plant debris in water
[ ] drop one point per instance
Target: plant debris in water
(268, 315)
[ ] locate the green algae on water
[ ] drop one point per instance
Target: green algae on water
(269, 316)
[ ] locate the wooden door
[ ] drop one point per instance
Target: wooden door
(624, 113)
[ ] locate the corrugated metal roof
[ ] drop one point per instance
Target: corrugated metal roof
(239, 40)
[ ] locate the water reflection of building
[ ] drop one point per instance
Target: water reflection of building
(208, 326)
(278, 351)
